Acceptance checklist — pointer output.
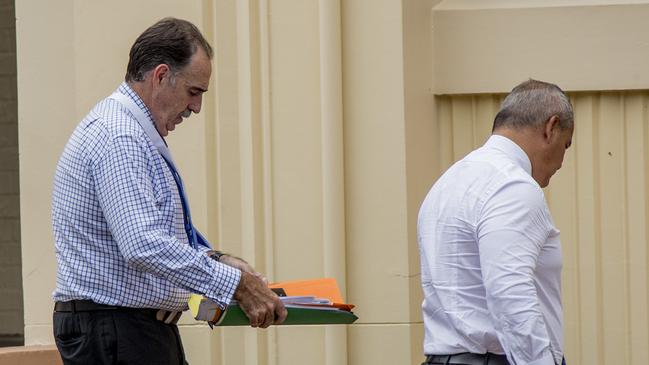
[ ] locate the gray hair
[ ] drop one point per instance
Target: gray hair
(532, 103)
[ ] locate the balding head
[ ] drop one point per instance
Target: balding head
(532, 103)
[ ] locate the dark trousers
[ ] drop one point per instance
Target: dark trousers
(116, 337)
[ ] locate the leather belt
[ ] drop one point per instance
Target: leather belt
(467, 358)
(73, 306)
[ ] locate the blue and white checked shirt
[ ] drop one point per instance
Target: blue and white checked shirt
(118, 220)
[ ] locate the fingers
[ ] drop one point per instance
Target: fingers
(268, 317)
(280, 313)
(260, 304)
(258, 317)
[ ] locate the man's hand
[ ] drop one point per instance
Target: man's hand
(242, 265)
(262, 306)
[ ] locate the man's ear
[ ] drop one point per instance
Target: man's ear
(550, 127)
(159, 73)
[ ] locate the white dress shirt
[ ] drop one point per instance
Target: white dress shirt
(491, 260)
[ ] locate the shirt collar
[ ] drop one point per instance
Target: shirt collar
(511, 149)
(126, 90)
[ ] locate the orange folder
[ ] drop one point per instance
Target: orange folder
(319, 288)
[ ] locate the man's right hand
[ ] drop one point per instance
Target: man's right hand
(262, 306)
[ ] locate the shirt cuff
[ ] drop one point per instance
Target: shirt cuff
(226, 283)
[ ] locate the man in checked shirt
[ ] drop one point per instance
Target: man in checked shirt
(128, 255)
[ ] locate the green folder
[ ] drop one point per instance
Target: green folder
(234, 316)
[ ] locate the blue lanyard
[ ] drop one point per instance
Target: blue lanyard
(195, 238)
(187, 217)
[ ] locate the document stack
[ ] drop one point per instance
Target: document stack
(307, 301)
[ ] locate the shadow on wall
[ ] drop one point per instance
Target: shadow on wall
(11, 308)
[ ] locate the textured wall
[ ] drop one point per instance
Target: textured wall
(599, 200)
(486, 46)
(272, 172)
(317, 142)
(11, 312)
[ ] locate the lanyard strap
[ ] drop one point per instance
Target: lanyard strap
(194, 237)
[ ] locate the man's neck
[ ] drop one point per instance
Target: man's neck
(524, 138)
(528, 139)
(142, 91)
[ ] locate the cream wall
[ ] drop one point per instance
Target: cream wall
(599, 202)
(273, 173)
(325, 124)
(599, 198)
(584, 45)
(60, 76)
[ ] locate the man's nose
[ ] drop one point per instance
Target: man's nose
(195, 105)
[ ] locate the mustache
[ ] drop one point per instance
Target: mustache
(186, 113)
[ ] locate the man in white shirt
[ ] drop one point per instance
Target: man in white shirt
(490, 253)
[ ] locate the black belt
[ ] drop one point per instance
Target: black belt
(467, 358)
(72, 306)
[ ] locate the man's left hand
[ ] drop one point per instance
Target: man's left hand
(242, 265)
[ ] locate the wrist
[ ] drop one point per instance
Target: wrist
(215, 255)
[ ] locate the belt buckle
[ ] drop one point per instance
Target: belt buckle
(168, 317)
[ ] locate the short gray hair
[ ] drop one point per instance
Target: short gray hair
(532, 103)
